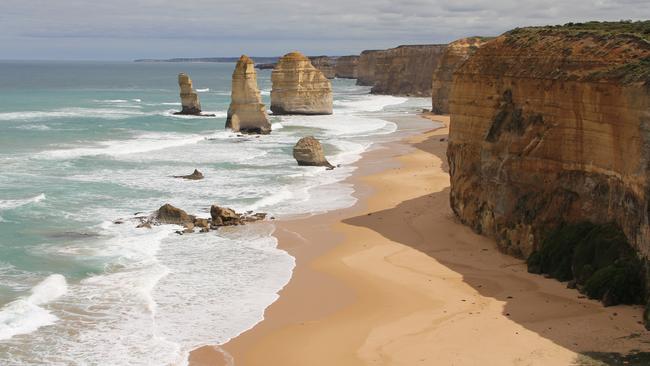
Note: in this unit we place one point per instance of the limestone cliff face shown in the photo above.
(548, 126)
(299, 88)
(346, 67)
(454, 55)
(246, 112)
(325, 64)
(189, 99)
(366, 69)
(404, 70)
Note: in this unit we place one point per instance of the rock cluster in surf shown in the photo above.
(299, 88)
(247, 113)
(219, 217)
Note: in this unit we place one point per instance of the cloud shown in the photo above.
(166, 28)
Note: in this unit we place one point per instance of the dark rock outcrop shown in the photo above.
(168, 214)
(196, 175)
(309, 152)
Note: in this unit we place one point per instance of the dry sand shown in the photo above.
(395, 280)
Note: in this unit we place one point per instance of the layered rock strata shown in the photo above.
(247, 113)
(454, 55)
(299, 88)
(550, 126)
(189, 99)
(346, 67)
(404, 70)
(309, 152)
(325, 64)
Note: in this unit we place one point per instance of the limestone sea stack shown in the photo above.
(299, 87)
(454, 55)
(309, 152)
(246, 113)
(550, 132)
(189, 99)
(325, 64)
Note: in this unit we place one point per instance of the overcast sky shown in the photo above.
(128, 29)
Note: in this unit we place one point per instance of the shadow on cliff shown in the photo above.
(491, 273)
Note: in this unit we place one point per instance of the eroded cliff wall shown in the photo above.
(346, 67)
(549, 126)
(454, 55)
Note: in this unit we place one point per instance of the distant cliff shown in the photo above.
(259, 59)
(550, 127)
(346, 67)
(404, 70)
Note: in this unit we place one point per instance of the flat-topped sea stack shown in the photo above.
(189, 99)
(299, 87)
(346, 67)
(454, 55)
(550, 128)
(246, 113)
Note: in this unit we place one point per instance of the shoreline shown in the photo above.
(383, 281)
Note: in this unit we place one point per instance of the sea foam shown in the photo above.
(25, 315)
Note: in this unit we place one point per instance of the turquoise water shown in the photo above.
(85, 143)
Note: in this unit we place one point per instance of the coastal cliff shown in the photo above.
(404, 70)
(550, 128)
(299, 87)
(454, 55)
(325, 64)
(346, 67)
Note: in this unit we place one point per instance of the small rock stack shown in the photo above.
(247, 113)
(189, 99)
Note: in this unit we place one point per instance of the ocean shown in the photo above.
(83, 144)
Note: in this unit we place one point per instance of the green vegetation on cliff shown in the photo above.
(619, 51)
(638, 29)
(597, 258)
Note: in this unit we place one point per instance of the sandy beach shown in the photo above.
(396, 280)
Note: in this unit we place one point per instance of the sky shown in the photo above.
(131, 29)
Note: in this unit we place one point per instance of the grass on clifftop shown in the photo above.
(639, 29)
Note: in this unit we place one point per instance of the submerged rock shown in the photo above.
(197, 175)
(299, 87)
(309, 152)
(246, 113)
(189, 99)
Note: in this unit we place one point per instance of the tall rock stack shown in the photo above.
(299, 88)
(246, 113)
(189, 99)
(454, 55)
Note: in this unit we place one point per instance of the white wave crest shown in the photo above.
(103, 113)
(24, 315)
(204, 90)
(11, 204)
